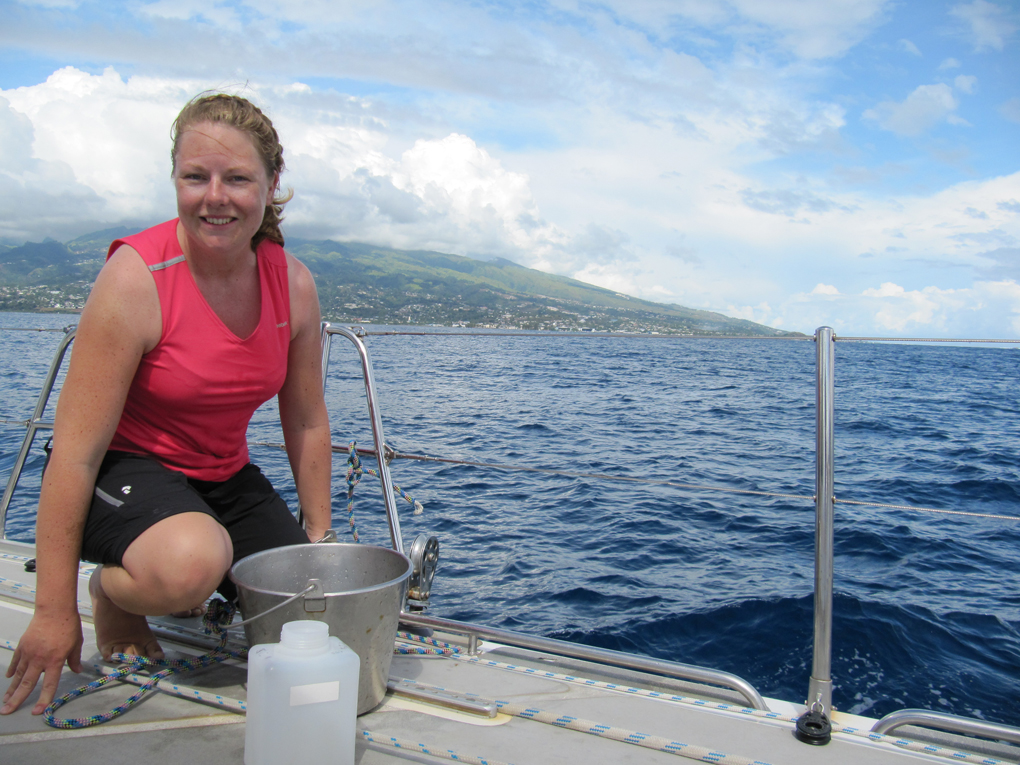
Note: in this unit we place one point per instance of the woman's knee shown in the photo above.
(185, 556)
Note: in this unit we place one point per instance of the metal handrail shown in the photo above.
(820, 686)
(35, 424)
(328, 330)
(946, 722)
(672, 669)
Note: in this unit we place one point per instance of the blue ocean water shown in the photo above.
(927, 606)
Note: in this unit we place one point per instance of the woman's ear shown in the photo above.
(274, 186)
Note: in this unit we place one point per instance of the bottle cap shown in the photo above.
(305, 635)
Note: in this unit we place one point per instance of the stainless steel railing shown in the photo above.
(35, 424)
(673, 669)
(820, 686)
(328, 330)
(946, 722)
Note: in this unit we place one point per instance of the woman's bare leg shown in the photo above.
(172, 566)
(118, 631)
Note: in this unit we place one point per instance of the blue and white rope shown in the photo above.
(432, 647)
(14, 586)
(446, 649)
(614, 733)
(837, 727)
(181, 691)
(411, 746)
(354, 473)
(216, 618)
(12, 556)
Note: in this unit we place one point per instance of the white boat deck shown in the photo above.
(172, 730)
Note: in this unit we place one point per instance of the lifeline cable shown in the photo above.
(648, 482)
(674, 484)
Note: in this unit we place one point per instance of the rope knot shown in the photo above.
(218, 616)
(354, 473)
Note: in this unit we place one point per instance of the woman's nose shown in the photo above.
(216, 192)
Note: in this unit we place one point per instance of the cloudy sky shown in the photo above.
(851, 163)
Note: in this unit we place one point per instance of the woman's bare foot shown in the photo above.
(118, 631)
(196, 611)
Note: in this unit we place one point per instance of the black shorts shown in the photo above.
(134, 492)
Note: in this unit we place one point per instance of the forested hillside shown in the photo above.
(363, 283)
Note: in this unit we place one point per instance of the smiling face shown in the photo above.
(222, 188)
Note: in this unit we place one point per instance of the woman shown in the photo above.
(190, 326)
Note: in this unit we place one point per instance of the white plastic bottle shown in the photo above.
(302, 698)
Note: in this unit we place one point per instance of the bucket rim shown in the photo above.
(331, 545)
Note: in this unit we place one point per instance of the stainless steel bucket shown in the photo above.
(363, 588)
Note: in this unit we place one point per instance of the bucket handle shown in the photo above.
(314, 596)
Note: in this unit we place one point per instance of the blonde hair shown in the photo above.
(240, 113)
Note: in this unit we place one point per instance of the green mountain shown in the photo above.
(363, 283)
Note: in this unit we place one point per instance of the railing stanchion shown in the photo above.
(820, 687)
(371, 395)
(326, 342)
(34, 425)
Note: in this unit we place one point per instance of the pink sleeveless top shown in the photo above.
(194, 393)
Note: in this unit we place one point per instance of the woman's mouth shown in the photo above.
(217, 221)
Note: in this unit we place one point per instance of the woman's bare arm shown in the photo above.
(120, 322)
(302, 407)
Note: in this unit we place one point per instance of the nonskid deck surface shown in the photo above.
(174, 730)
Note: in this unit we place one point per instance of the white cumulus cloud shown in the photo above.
(989, 24)
(92, 150)
(111, 136)
(965, 83)
(909, 47)
(923, 109)
(816, 30)
(987, 309)
(1011, 110)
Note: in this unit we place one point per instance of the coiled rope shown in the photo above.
(215, 621)
(354, 473)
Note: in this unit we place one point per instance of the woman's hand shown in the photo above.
(315, 533)
(49, 641)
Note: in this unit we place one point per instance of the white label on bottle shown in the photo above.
(315, 693)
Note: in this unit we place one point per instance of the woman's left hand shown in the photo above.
(315, 534)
